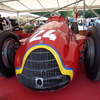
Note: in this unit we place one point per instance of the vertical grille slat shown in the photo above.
(41, 72)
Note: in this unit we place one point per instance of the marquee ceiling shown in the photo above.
(45, 5)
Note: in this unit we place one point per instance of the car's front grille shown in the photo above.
(41, 72)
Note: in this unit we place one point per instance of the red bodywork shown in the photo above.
(21, 34)
(56, 34)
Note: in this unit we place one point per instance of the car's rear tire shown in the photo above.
(74, 27)
(9, 43)
(92, 53)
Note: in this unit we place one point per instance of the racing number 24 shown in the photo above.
(48, 34)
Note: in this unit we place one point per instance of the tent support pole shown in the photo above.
(18, 17)
(84, 15)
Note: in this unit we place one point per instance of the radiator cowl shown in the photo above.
(41, 72)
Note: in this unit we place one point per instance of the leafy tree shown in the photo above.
(66, 13)
(63, 13)
(88, 13)
(97, 11)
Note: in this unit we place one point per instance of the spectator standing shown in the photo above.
(9, 26)
(1, 20)
(75, 13)
(4, 23)
(67, 20)
(71, 19)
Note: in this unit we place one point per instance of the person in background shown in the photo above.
(9, 26)
(71, 19)
(67, 20)
(75, 14)
(4, 23)
(1, 20)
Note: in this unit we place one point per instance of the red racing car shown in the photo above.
(49, 59)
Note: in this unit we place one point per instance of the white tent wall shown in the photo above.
(5, 8)
(22, 6)
(46, 5)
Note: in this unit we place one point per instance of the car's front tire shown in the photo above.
(9, 43)
(92, 53)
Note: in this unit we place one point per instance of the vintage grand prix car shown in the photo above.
(49, 59)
